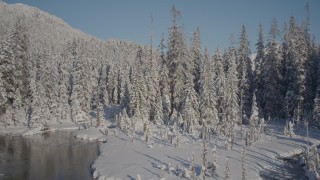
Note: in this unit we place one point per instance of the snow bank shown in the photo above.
(32, 131)
(122, 159)
(92, 134)
(65, 126)
(13, 130)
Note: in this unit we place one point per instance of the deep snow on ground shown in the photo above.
(122, 159)
(289, 168)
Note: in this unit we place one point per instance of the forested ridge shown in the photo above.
(52, 73)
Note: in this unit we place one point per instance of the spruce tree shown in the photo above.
(196, 57)
(164, 81)
(254, 112)
(244, 74)
(227, 170)
(273, 99)
(141, 87)
(80, 100)
(302, 49)
(63, 102)
(177, 59)
(243, 165)
(259, 69)
(296, 75)
(189, 105)
(220, 80)
(316, 110)
(208, 110)
(7, 70)
(290, 78)
(232, 108)
(214, 165)
(311, 79)
(18, 115)
(21, 47)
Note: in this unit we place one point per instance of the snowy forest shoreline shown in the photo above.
(52, 74)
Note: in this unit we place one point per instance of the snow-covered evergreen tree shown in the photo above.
(63, 102)
(196, 57)
(254, 119)
(164, 81)
(177, 59)
(316, 157)
(159, 117)
(22, 63)
(219, 84)
(232, 109)
(122, 120)
(243, 165)
(100, 114)
(154, 98)
(14, 73)
(208, 109)
(244, 74)
(192, 169)
(311, 74)
(2, 96)
(204, 163)
(48, 78)
(139, 93)
(80, 97)
(213, 167)
(296, 75)
(259, 69)
(189, 105)
(302, 49)
(316, 110)
(273, 99)
(7, 80)
(18, 115)
(312, 64)
(40, 109)
(290, 55)
(227, 170)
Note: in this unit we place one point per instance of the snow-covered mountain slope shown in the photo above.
(12, 10)
(49, 51)
(41, 26)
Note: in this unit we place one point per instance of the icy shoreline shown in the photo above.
(25, 131)
(92, 134)
(89, 134)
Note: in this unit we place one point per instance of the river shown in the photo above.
(56, 155)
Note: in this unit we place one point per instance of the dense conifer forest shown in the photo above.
(52, 73)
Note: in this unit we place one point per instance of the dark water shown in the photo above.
(54, 155)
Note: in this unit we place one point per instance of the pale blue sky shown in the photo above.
(217, 19)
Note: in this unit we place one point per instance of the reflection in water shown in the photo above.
(48, 156)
